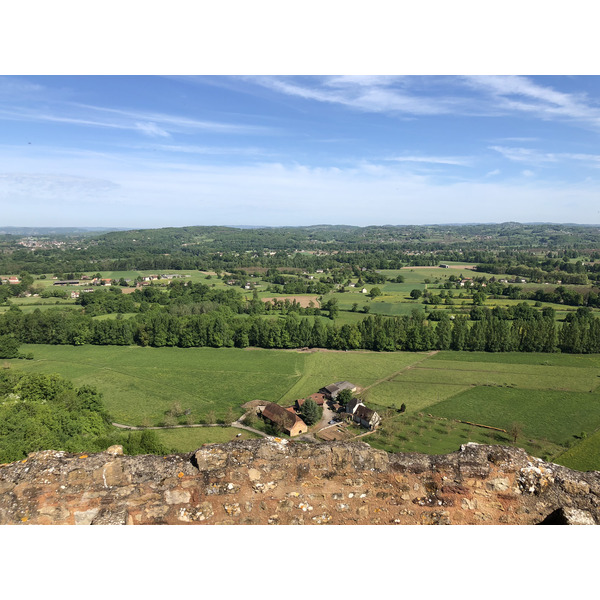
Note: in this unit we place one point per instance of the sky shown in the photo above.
(158, 151)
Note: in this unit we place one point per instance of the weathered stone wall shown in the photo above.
(274, 481)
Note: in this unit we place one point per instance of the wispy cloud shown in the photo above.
(536, 157)
(521, 94)
(12, 88)
(428, 96)
(149, 124)
(461, 161)
(274, 193)
(181, 124)
(51, 187)
(213, 150)
(366, 93)
(525, 155)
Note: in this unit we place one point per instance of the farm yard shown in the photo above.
(548, 404)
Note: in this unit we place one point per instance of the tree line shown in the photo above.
(222, 327)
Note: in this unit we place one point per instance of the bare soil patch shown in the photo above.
(303, 301)
(332, 434)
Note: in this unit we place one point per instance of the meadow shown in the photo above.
(553, 399)
(394, 301)
(189, 439)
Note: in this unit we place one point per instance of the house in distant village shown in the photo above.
(67, 282)
(289, 422)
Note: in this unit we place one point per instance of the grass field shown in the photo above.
(543, 414)
(548, 395)
(583, 456)
(190, 439)
(141, 384)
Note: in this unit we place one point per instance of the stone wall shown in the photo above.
(274, 481)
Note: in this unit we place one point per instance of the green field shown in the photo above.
(554, 398)
(141, 384)
(549, 415)
(584, 455)
(190, 439)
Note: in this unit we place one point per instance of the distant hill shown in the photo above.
(57, 230)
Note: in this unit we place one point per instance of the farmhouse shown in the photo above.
(366, 417)
(353, 405)
(289, 422)
(331, 391)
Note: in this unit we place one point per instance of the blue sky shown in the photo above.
(149, 151)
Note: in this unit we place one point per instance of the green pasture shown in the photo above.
(141, 384)
(361, 368)
(552, 415)
(584, 456)
(393, 309)
(417, 396)
(188, 439)
(434, 435)
(30, 307)
(521, 358)
(515, 376)
(547, 394)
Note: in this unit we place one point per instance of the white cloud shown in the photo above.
(462, 161)
(177, 123)
(371, 94)
(540, 101)
(151, 124)
(213, 150)
(53, 187)
(152, 129)
(527, 173)
(535, 157)
(157, 193)
(525, 155)
(427, 96)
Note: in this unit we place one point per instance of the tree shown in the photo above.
(310, 412)
(375, 292)
(333, 308)
(515, 431)
(344, 397)
(9, 346)
(416, 294)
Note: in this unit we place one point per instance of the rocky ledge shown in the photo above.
(275, 481)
